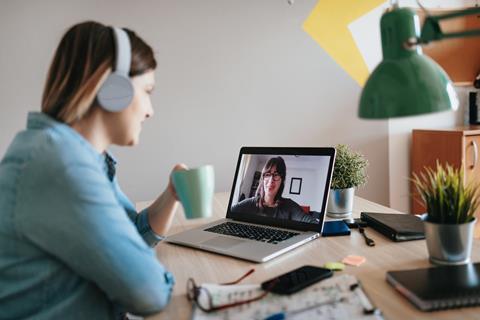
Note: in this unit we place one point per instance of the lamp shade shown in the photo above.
(406, 82)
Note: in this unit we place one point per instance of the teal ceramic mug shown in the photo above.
(195, 188)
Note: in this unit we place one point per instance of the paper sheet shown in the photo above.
(349, 304)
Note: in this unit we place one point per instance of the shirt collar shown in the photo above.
(40, 120)
(110, 165)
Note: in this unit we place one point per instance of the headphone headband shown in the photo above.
(123, 51)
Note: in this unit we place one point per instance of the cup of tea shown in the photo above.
(195, 188)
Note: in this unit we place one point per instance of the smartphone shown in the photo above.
(297, 279)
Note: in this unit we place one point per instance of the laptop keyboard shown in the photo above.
(252, 232)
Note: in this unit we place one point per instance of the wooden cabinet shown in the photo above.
(456, 146)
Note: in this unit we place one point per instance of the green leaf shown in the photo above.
(444, 194)
(350, 168)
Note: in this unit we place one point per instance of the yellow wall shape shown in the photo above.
(328, 26)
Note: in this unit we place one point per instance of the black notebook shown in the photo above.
(396, 226)
(439, 288)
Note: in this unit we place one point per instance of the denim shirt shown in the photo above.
(71, 243)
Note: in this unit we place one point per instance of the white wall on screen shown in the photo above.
(312, 170)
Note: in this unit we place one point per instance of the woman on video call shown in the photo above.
(72, 246)
(268, 200)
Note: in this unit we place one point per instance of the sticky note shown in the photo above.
(354, 260)
(335, 266)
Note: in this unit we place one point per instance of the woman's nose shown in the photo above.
(150, 112)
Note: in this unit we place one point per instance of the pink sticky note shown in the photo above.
(354, 260)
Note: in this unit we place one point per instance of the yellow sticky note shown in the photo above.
(335, 266)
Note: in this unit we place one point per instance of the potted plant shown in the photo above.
(348, 173)
(449, 221)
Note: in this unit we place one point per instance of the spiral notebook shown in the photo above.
(439, 288)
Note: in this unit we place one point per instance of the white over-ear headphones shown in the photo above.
(116, 92)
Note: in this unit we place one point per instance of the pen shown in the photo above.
(285, 314)
(368, 308)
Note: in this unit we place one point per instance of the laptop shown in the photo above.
(277, 203)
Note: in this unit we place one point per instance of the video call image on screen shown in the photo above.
(281, 187)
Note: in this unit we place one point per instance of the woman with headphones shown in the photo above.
(71, 243)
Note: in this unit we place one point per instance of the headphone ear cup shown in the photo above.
(116, 93)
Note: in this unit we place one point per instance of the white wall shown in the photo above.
(230, 73)
(311, 189)
(313, 172)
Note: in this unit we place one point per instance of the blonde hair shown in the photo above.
(83, 60)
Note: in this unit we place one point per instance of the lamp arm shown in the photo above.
(431, 30)
(470, 33)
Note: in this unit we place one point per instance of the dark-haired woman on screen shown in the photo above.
(268, 201)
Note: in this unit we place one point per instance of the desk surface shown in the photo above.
(203, 266)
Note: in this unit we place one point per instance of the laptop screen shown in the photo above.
(289, 187)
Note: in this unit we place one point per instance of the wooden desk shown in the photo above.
(203, 266)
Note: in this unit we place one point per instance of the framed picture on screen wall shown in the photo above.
(295, 185)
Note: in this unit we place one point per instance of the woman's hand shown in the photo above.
(161, 211)
(171, 187)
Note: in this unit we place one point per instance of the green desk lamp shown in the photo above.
(407, 82)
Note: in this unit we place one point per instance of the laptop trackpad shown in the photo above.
(221, 242)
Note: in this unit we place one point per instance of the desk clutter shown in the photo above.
(340, 297)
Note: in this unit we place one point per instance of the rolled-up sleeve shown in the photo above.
(145, 230)
(140, 219)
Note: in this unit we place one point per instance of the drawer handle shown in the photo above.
(475, 154)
